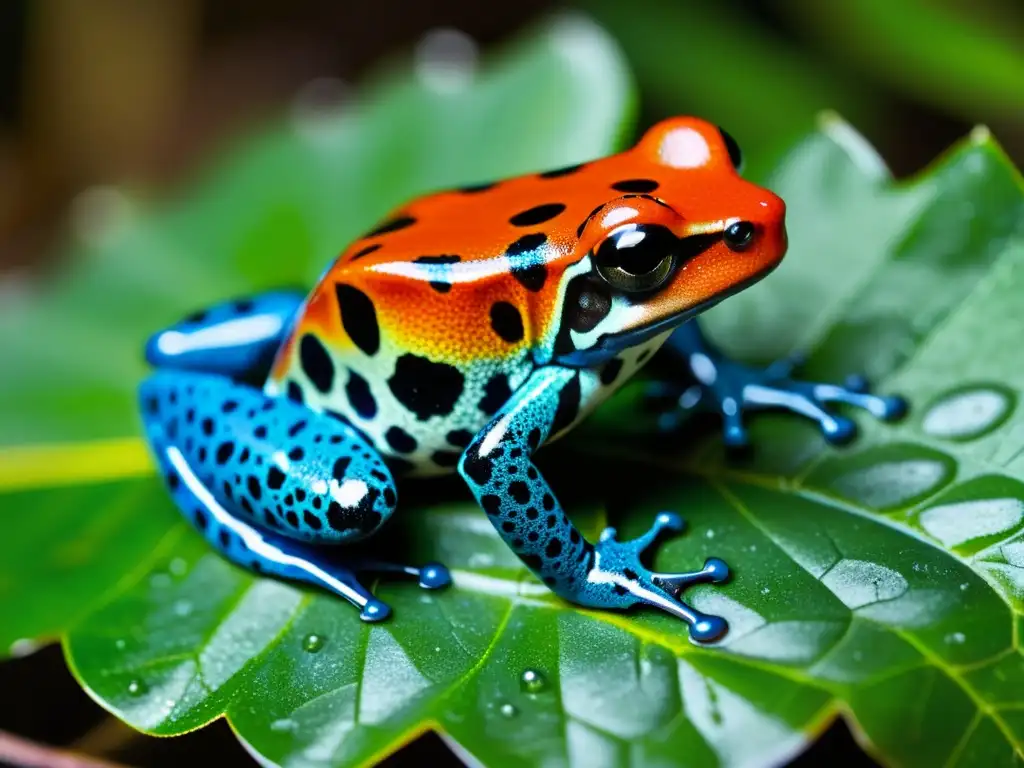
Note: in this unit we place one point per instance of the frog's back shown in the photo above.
(424, 327)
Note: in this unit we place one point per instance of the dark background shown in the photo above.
(143, 92)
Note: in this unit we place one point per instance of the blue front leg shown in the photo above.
(519, 503)
(731, 388)
(265, 480)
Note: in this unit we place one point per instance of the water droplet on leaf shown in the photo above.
(313, 643)
(968, 414)
(136, 688)
(533, 681)
(508, 710)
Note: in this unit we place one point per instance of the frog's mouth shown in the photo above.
(610, 344)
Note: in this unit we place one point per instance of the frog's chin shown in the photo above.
(611, 344)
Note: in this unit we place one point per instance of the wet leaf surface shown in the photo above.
(884, 581)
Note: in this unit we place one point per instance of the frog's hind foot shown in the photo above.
(268, 553)
(617, 565)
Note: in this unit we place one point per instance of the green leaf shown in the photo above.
(695, 58)
(957, 59)
(883, 582)
(280, 206)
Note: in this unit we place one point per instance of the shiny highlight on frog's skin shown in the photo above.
(467, 330)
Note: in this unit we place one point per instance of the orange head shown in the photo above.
(649, 259)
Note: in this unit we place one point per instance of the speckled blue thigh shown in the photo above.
(519, 503)
(730, 388)
(266, 480)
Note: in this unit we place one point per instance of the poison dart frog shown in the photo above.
(469, 329)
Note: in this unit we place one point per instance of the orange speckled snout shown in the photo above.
(729, 264)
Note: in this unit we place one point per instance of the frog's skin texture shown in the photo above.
(467, 330)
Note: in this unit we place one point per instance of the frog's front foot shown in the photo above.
(618, 579)
(731, 388)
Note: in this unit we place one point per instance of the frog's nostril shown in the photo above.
(739, 235)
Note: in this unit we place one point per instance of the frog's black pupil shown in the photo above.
(738, 236)
(637, 250)
(735, 155)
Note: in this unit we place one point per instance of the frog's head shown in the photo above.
(685, 232)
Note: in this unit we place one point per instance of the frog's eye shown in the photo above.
(637, 257)
(735, 155)
(738, 235)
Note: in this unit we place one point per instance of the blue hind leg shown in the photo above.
(266, 480)
(731, 389)
(236, 338)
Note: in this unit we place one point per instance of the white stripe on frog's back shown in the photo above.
(408, 406)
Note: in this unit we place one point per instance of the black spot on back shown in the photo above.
(316, 363)
(568, 405)
(507, 322)
(244, 306)
(400, 440)
(393, 225)
(441, 286)
(424, 387)
(526, 244)
(536, 215)
(531, 277)
(359, 318)
(496, 393)
(635, 185)
(561, 171)
(365, 251)
(474, 188)
(357, 390)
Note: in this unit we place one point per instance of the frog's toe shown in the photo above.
(617, 567)
(434, 576)
(374, 610)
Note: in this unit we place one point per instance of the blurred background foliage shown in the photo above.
(145, 94)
